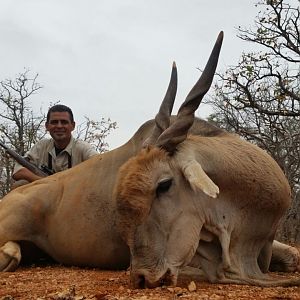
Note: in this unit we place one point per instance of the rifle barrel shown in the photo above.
(22, 161)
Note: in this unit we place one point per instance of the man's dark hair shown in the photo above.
(60, 108)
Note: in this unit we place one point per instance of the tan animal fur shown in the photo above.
(213, 202)
(72, 215)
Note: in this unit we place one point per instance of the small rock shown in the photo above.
(178, 290)
(7, 297)
(192, 286)
(113, 279)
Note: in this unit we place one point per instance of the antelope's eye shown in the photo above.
(163, 186)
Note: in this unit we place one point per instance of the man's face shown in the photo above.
(60, 126)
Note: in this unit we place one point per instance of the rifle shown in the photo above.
(43, 172)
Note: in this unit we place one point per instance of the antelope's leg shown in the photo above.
(10, 256)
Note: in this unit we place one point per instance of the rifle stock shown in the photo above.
(25, 163)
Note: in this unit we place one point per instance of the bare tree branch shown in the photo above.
(259, 98)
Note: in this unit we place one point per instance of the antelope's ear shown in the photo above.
(198, 179)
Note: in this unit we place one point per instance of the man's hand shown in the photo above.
(25, 174)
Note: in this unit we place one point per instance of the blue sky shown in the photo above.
(112, 58)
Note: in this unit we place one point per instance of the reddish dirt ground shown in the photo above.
(69, 283)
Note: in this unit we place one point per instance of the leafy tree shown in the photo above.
(21, 127)
(259, 98)
(95, 132)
